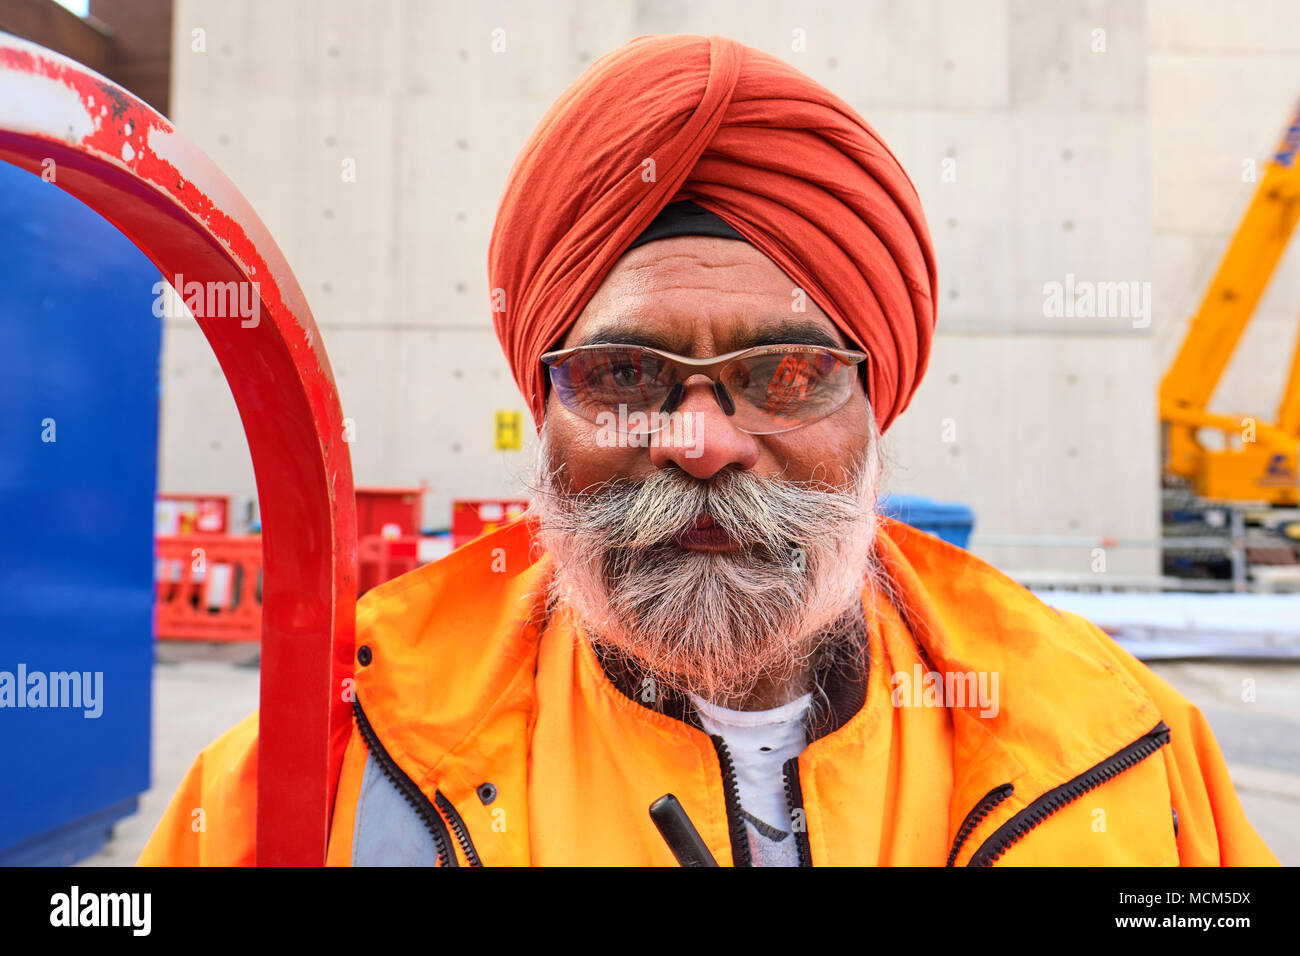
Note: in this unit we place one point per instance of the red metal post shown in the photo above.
(125, 161)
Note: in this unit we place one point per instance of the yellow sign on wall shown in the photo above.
(509, 431)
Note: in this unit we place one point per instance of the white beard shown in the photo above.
(714, 624)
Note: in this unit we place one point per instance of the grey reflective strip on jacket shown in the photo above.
(387, 830)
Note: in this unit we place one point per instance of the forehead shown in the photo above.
(700, 295)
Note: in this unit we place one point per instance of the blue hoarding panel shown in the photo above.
(79, 349)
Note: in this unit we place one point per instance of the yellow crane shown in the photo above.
(1255, 461)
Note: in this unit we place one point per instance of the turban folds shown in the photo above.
(746, 136)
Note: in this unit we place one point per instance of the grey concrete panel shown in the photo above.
(1078, 56)
(1211, 27)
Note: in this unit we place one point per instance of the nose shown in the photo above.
(700, 439)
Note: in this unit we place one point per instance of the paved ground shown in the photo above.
(199, 691)
(1254, 708)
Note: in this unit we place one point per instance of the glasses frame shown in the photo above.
(712, 369)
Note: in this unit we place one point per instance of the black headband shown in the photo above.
(685, 219)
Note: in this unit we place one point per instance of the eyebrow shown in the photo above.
(790, 332)
(626, 335)
(780, 332)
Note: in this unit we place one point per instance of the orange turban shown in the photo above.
(751, 139)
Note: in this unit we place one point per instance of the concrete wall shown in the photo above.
(1044, 424)
(1046, 140)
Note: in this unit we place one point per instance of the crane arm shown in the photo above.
(1241, 278)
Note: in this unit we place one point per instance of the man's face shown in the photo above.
(718, 559)
(699, 296)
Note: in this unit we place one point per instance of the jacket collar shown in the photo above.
(842, 680)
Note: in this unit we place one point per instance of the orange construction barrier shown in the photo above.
(209, 588)
(381, 559)
(190, 514)
(388, 533)
(471, 518)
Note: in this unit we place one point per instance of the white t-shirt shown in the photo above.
(760, 742)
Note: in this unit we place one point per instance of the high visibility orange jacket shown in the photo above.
(488, 735)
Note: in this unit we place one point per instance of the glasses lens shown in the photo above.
(611, 379)
(777, 391)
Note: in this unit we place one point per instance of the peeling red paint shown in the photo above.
(96, 92)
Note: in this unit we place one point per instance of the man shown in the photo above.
(715, 287)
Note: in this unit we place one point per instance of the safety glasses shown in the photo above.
(765, 390)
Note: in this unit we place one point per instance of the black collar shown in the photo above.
(841, 675)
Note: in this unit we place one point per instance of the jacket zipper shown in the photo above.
(731, 792)
(426, 810)
(1042, 808)
(458, 827)
(982, 809)
(794, 798)
(736, 823)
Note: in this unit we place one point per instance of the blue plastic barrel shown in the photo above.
(949, 520)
